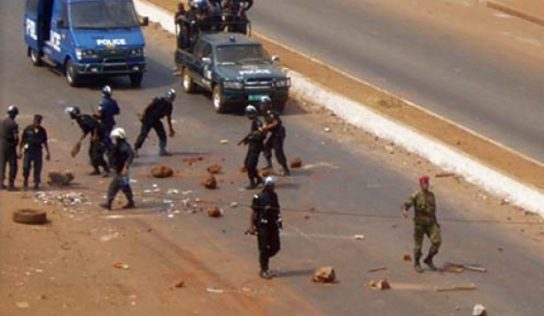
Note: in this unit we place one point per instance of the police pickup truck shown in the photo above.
(86, 38)
(235, 69)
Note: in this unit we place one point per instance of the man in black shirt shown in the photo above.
(275, 140)
(254, 140)
(151, 119)
(121, 159)
(33, 140)
(265, 221)
(92, 126)
(9, 139)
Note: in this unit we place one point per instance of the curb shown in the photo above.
(514, 12)
(364, 118)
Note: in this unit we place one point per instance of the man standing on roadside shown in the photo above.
(9, 139)
(33, 141)
(425, 223)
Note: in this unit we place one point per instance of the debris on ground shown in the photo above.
(407, 257)
(266, 172)
(457, 288)
(444, 175)
(381, 285)
(470, 267)
(359, 237)
(161, 171)
(179, 284)
(33, 217)
(377, 269)
(209, 182)
(214, 169)
(452, 268)
(324, 275)
(121, 265)
(70, 201)
(22, 305)
(59, 179)
(172, 191)
(214, 290)
(234, 204)
(327, 129)
(224, 141)
(192, 160)
(215, 212)
(296, 163)
(479, 310)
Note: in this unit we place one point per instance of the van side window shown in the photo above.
(207, 51)
(64, 14)
(32, 6)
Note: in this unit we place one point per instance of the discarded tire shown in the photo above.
(33, 217)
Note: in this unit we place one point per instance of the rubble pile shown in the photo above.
(69, 201)
(162, 172)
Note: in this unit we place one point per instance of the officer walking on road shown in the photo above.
(151, 119)
(276, 138)
(425, 223)
(33, 141)
(121, 159)
(92, 126)
(254, 142)
(266, 222)
(107, 110)
(9, 139)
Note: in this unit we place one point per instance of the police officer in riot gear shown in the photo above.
(91, 126)
(236, 15)
(254, 142)
(265, 221)
(33, 141)
(275, 140)
(121, 159)
(151, 119)
(107, 110)
(9, 139)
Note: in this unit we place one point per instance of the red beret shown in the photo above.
(424, 179)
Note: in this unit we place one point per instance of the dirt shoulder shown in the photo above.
(383, 102)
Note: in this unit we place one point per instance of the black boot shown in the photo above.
(429, 262)
(106, 205)
(417, 265)
(129, 205)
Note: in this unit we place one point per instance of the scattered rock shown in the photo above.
(22, 305)
(381, 285)
(192, 160)
(479, 310)
(324, 275)
(59, 179)
(234, 204)
(209, 182)
(214, 169)
(179, 284)
(215, 212)
(214, 290)
(407, 257)
(224, 141)
(377, 269)
(296, 163)
(121, 265)
(359, 237)
(162, 172)
(327, 129)
(306, 217)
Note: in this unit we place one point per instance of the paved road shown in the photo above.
(477, 88)
(361, 182)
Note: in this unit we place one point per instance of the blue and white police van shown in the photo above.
(86, 38)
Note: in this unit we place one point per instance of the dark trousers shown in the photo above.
(268, 238)
(122, 183)
(107, 141)
(8, 156)
(146, 127)
(251, 163)
(32, 159)
(96, 153)
(275, 143)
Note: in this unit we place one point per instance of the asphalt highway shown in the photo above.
(354, 187)
(466, 81)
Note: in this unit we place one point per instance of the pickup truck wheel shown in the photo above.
(187, 81)
(72, 76)
(136, 79)
(35, 57)
(218, 99)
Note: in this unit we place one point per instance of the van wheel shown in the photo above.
(72, 76)
(187, 81)
(136, 79)
(35, 58)
(218, 99)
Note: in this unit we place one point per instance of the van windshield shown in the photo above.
(99, 14)
(241, 54)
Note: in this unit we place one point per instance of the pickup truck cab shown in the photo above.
(235, 69)
(86, 38)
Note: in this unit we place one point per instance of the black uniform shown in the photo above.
(8, 149)
(33, 139)
(268, 223)
(236, 17)
(97, 148)
(108, 109)
(275, 141)
(121, 157)
(151, 119)
(254, 148)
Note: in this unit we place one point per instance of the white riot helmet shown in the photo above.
(106, 91)
(118, 133)
(250, 111)
(270, 181)
(170, 95)
(13, 110)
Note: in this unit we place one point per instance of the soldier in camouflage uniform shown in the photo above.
(425, 223)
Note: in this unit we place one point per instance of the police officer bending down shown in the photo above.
(121, 159)
(151, 119)
(33, 141)
(266, 221)
(9, 139)
(92, 126)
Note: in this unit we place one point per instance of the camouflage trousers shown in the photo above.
(432, 230)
